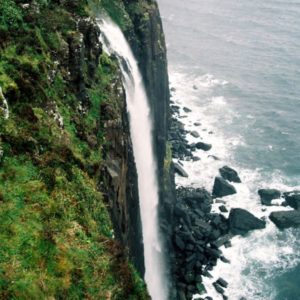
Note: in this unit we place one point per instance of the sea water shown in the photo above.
(236, 64)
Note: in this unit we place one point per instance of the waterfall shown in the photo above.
(3, 105)
(141, 134)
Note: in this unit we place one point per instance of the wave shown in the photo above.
(259, 257)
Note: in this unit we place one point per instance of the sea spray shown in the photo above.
(141, 134)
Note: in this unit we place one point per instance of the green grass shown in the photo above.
(56, 237)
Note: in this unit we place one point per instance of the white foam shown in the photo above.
(4, 105)
(262, 253)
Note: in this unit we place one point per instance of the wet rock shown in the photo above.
(241, 221)
(223, 283)
(223, 240)
(229, 174)
(213, 157)
(222, 188)
(179, 243)
(223, 209)
(203, 146)
(286, 219)
(186, 109)
(197, 124)
(196, 158)
(292, 199)
(267, 195)
(218, 288)
(180, 171)
(225, 260)
(195, 134)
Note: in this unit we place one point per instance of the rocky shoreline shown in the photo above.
(198, 233)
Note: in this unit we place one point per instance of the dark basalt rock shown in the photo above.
(286, 219)
(241, 221)
(203, 146)
(229, 174)
(222, 188)
(267, 195)
(179, 170)
(218, 288)
(195, 134)
(223, 283)
(187, 110)
(223, 209)
(292, 199)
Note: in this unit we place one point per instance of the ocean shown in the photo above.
(236, 64)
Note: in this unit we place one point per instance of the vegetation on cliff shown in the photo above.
(56, 237)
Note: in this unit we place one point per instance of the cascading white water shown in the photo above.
(3, 105)
(141, 134)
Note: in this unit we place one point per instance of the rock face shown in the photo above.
(222, 188)
(292, 199)
(286, 219)
(267, 195)
(241, 221)
(229, 174)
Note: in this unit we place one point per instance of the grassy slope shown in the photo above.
(55, 232)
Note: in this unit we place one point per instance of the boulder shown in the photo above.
(187, 110)
(195, 134)
(229, 174)
(292, 199)
(223, 283)
(223, 209)
(286, 219)
(179, 170)
(267, 195)
(203, 146)
(241, 221)
(222, 188)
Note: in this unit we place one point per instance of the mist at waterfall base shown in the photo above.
(141, 135)
(236, 64)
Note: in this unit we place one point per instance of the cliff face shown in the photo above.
(141, 24)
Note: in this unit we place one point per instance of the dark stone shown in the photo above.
(292, 199)
(179, 170)
(223, 240)
(229, 174)
(203, 146)
(187, 110)
(223, 209)
(218, 288)
(225, 260)
(222, 188)
(197, 124)
(223, 283)
(241, 221)
(195, 134)
(196, 158)
(267, 195)
(179, 243)
(286, 219)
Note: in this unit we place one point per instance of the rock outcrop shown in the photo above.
(241, 221)
(229, 174)
(222, 188)
(286, 219)
(267, 195)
